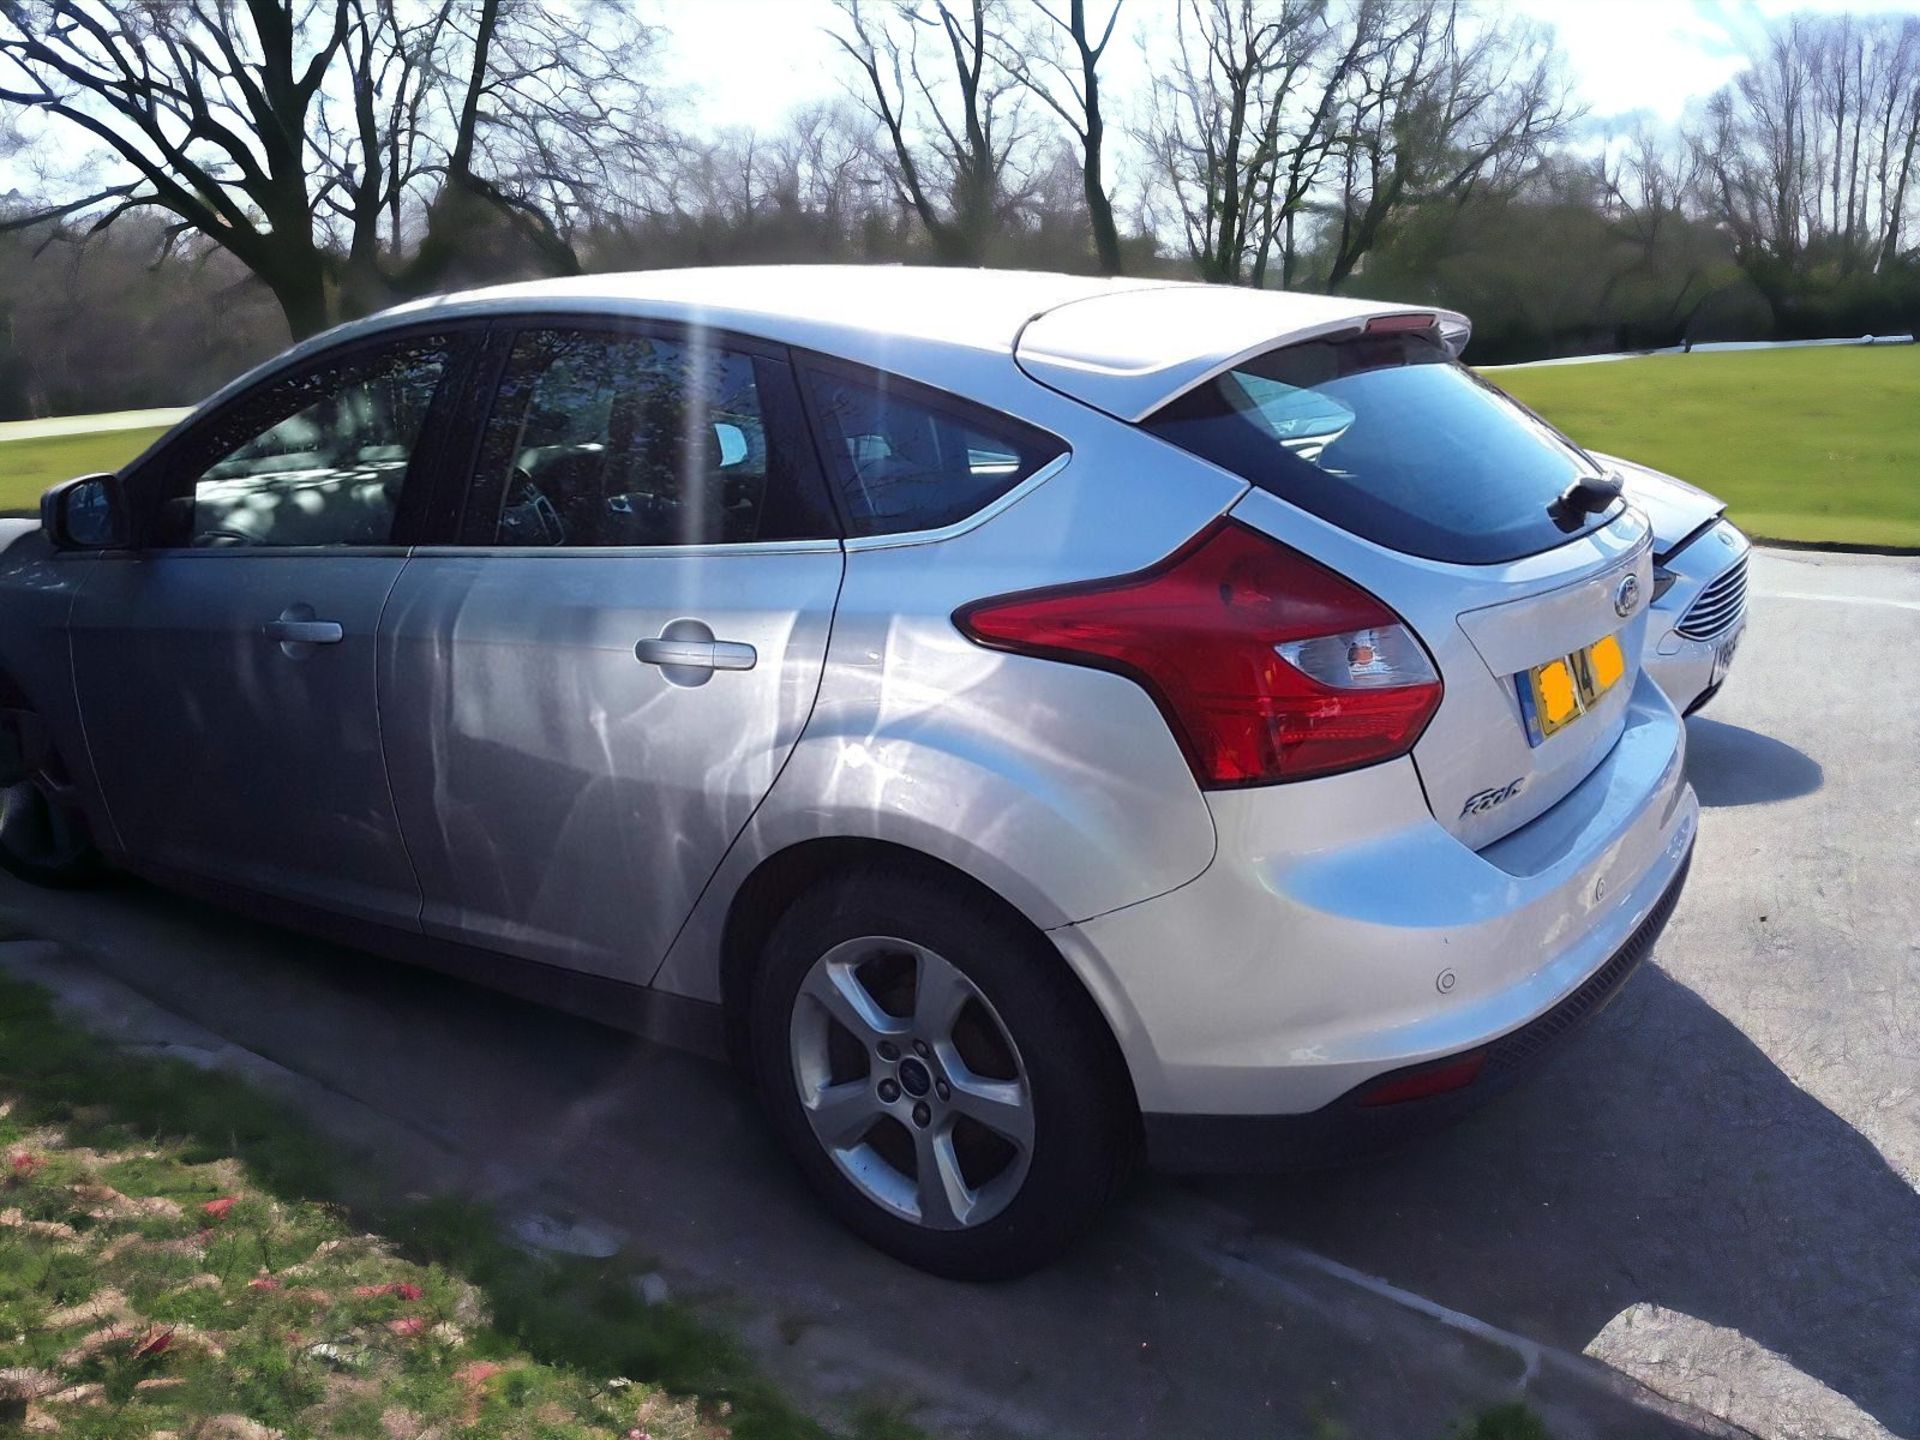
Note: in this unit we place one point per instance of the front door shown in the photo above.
(226, 668)
(584, 701)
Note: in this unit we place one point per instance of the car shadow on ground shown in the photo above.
(1662, 1159)
(660, 1160)
(1729, 765)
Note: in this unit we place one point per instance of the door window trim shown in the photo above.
(1002, 502)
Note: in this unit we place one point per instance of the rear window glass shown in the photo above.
(1386, 437)
(908, 458)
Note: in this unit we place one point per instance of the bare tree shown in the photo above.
(1899, 135)
(368, 136)
(206, 112)
(952, 120)
(1300, 166)
(1643, 191)
(1449, 105)
(1895, 129)
(289, 132)
(1212, 134)
(1807, 157)
(1068, 83)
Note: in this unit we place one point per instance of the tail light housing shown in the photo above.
(1267, 666)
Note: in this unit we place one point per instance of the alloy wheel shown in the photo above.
(911, 1082)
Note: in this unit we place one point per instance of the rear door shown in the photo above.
(589, 690)
(225, 668)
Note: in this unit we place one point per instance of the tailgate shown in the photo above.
(1485, 770)
(1486, 765)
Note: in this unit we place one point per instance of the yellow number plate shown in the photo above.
(1556, 694)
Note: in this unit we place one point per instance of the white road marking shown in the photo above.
(1839, 599)
(1219, 1238)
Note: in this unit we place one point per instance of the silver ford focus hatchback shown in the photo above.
(1027, 721)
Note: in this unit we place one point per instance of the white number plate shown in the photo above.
(1723, 654)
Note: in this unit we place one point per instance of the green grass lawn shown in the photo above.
(29, 466)
(181, 1256)
(1816, 444)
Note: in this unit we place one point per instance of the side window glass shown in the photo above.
(907, 458)
(601, 439)
(318, 459)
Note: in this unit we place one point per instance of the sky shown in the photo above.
(747, 62)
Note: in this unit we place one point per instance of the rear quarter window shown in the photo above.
(1389, 439)
(905, 457)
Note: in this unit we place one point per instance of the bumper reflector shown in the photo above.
(1436, 1079)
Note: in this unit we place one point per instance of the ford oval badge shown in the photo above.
(1627, 596)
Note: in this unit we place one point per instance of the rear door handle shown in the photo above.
(697, 654)
(305, 632)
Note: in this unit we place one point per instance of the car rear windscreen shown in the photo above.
(1389, 439)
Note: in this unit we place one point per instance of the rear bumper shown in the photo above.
(1342, 934)
(1351, 1129)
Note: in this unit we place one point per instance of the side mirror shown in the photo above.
(89, 513)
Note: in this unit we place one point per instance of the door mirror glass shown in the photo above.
(85, 514)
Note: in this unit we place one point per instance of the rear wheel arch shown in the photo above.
(783, 877)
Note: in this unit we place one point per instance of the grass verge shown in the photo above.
(1815, 445)
(28, 467)
(180, 1255)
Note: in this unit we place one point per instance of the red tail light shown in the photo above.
(1266, 665)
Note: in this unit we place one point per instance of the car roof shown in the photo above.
(803, 304)
(1122, 345)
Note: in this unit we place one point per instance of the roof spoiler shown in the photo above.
(1131, 352)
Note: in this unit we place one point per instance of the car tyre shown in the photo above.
(44, 838)
(941, 1078)
(45, 841)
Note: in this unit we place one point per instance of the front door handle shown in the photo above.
(305, 632)
(697, 654)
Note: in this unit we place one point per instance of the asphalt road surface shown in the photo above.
(1713, 1192)
(1717, 1190)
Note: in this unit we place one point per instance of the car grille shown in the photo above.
(1719, 607)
